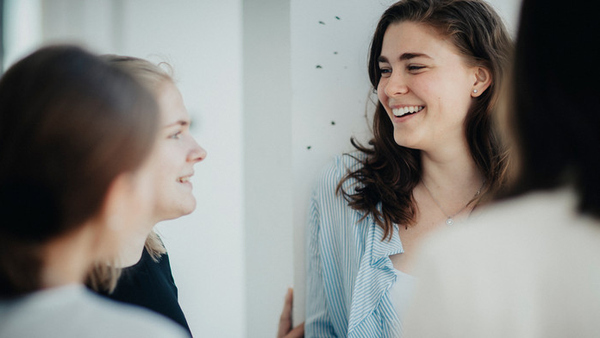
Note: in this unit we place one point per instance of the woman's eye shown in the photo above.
(385, 72)
(176, 135)
(413, 68)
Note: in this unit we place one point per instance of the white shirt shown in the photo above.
(74, 311)
(528, 267)
(401, 292)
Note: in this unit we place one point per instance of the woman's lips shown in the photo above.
(401, 111)
(185, 179)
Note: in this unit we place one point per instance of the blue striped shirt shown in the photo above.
(349, 271)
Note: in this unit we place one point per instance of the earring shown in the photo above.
(474, 90)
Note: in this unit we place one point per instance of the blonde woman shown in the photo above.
(144, 273)
(143, 267)
(75, 136)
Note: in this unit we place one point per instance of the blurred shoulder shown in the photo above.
(132, 321)
(508, 226)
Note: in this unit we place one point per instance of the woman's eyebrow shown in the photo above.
(182, 123)
(405, 56)
(408, 56)
(382, 59)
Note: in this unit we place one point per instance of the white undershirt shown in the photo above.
(402, 292)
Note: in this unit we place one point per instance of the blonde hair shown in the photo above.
(105, 275)
(148, 74)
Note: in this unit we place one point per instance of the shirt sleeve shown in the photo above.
(320, 315)
(318, 322)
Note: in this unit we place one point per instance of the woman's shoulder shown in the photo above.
(73, 311)
(331, 197)
(339, 167)
(349, 161)
(329, 209)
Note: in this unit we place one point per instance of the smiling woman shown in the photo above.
(415, 57)
(176, 156)
(143, 267)
(144, 271)
(436, 66)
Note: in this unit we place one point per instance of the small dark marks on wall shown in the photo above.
(333, 123)
(321, 22)
(308, 148)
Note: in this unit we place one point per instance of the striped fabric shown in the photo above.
(349, 270)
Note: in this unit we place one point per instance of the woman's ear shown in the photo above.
(483, 79)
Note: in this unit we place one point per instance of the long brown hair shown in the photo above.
(69, 125)
(390, 172)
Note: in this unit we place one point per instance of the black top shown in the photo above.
(150, 284)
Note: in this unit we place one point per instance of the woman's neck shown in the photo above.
(451, 174)
(132, 249)
(68, 258)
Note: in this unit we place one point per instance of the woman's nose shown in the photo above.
(396, 85)
(197, 153)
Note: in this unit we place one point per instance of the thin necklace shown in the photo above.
(449, 218)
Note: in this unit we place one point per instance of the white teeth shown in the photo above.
(184, 179)
(406, 110)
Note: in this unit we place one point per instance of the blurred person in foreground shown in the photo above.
(529, 266)
(75, 135)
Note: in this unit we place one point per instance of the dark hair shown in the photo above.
(390, 172)
(69, 125)
(555, 111)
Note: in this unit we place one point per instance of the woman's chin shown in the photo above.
(186, 207)
(404, 142)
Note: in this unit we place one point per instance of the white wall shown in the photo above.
(25, 21)
(337, 92)
(268, 162)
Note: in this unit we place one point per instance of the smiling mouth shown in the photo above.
(399, 112)
(183, 179)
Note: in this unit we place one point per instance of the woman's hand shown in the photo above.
(285, 321)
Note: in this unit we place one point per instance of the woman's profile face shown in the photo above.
(425, 87)
(174, 158)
